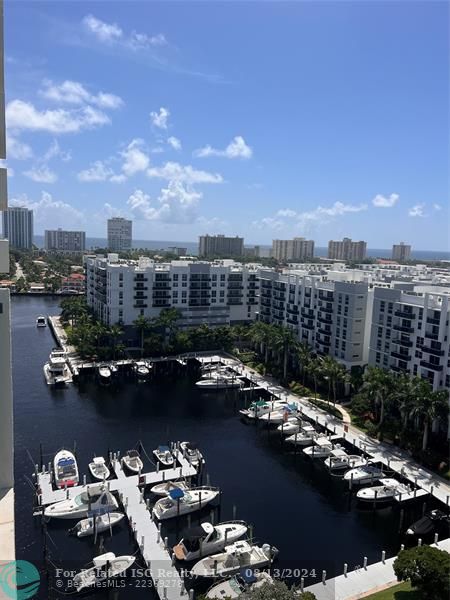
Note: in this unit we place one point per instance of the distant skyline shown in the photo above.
(266, 120)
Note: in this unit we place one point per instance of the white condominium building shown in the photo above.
(332, 317)
(401, 252)
(120, 234)
(60, 240)
(411, 332)
(347, 250)
(215, 293)
(297, 249)
(220, 245)
(18, 227)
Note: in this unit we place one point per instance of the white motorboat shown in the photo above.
(114, 369)
(141, 369)
(56, 370)
(365, 474)
(96, 524)
(291, 426)
(106, 566)
(322, 448)
(339, 460)
(164, 455)
(65, 469)
(219, 382)
(237, 556)
(260, 407)
(163, 489)
(207, 539)
(179, 502)
(280, 415)
(133, 461)
(233, 587)
(104, 373)
(192, 453)
(384, 492)
(98, 468)
(41, 321)
(207, 368)
(93, 498)
(307, 435)
(219, 370)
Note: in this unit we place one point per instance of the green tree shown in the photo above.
(115, 333)
(167, 320)
(142, 324)
(304, 356)
(277, 590)
(314, 370)
(284, 342)
(379, 387)
(428, 406)
(262, 335)
(427, 568)
(333, 373)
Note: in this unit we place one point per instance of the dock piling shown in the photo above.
(365, 563)
(324, 576)
(383, 556)
(345, 569)
(436, 538)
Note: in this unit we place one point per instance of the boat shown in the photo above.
(114, 369)
(41, 321)
(383, 493)
(98, 468)
(259, 408)
(192, 453)
(56, 370)
(365, 474)
(179, 502)
(291, 426)
(96, 524)
(219, 382)
(133, 461)
(307, 435)
(234, 586)
(237, 556)
(93, 498)
(164, 455)
(162, 489)
(65, 469)
(322, 448)
(104, 373)
(207, 539)
(339, 460)
(211, 367)
(105, 567)
(280, 415)
(141, 369)
(432, 522)
(219, 370)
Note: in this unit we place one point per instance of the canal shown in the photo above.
(291, 502)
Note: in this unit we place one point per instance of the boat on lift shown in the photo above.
(366, 474)
(261, 407)
(163, 489)
(105, 567)
(96, 524)
(142, 369)
(93, 498)
(65, 469)
(280, 415)
(98, 468)
(306, 436)
(435, 521)
(234, 586)
(219, 382)
(237, 556)
(340, 460)
(41, 321)
(208, 539)
(179, 502)
(104, 373)
(164, 455)
(385, 492)
(133, 461)
(192, 453)
(322, 448)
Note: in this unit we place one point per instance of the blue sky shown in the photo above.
(264, 119)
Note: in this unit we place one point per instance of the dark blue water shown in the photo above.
(292, 503)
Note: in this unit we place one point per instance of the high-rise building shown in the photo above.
(119, 234)
(297, 249)
(18, 227)
(401, 252)
(220, 246)
(60, 240)
(347, 250)
(7, 548)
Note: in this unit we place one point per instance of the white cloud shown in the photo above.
(437, 207)
(237, 148)
(17, 149)
(177, 203)
(41, 174)
(135, 159)
(98, 171)
(22, 115)
(159, 119)
(381, 201)
(118, 178)
(51, 213)
(55, 151)
(269, 223)
(286, 212)
(104, 32)
(73, 92)
(417, 210)
(173, 171)
(174, 142)
(140, 41)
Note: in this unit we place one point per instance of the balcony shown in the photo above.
(307, 312)
(139, 297)
(326, 310)
(434, 351)
(324, 320)
(431, 366)
(139, 288)
(404, 314)
(433, 321)
(292, 320)
(323, 331)
(401, 356)
(401, 342)
(307, 326)
(142, 305)
(398, 369)
(431, 336)
(403, 328)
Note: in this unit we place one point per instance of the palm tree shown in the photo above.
(314, 369)
(261, 334)
(428, 407)
(333, 373)
(142, 324)
(167, 320)
(379, 386)
(284, 342)
(303, 352)
(115, 333)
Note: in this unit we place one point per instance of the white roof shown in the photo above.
(322, 441)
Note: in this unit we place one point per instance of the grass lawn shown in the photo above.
(402, 591)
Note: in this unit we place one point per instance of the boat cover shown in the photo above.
(176, 494)
(163, 449)
(247, 576)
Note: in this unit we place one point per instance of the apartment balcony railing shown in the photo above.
(434, 351)
(431, 336)
(431, 366)
(433, 321)
(142, 305)
(324, 320)
(401, 342)
(324, 331)
(398, 368)
(404, 328)
(404, 314)
(400, 356)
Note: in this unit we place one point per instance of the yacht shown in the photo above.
(339, 460)
(65, 469)
(164, 455)
(163, 489)
(280, 415)
(179, 502)
(56, 370)
(133, 461)
(104, 373)
(365, 474)
(105, 567)
(260, 407)
(291, 426)
(384, 492)
(307, 435)
(322, 448)
(141, 369)
(237, 556)
(219, 370)
(98, 468)
(41, 321)
(234, 586)
(102, 523)
(192, 453)
(92, 498)
(219, 382)
(208, 539)
(432, 522)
